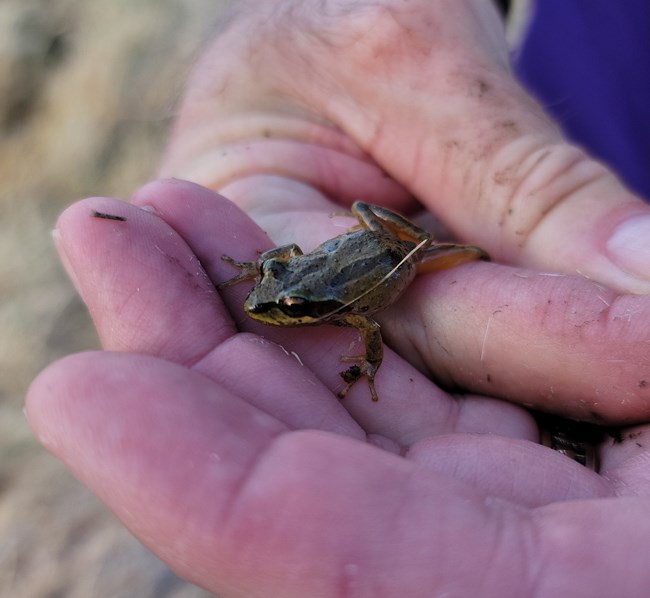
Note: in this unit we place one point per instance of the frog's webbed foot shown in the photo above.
(356, 372)
(368, 363)
(247, 271)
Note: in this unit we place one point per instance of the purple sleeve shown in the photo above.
(588, 62)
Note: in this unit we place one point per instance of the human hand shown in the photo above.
(388, 100)
(321, 505)
(232, 459)
(296, 109)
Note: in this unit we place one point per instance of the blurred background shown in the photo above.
(88, 90)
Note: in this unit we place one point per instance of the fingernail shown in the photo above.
(629, 246)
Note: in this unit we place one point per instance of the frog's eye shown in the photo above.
(294, 306)
(273, 268)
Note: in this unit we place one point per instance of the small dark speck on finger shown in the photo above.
(105, 216)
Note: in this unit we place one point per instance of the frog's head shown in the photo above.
(290, 309)
(291, 293)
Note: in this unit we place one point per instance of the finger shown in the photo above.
(233, 502)
(481, 154)
(555, 343)
(512, 469)
(148, 293)
(624, 460)
(144, 288)
(412, 407)
(465, 139)
(277, 382)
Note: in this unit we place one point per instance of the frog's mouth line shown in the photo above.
(294, 310)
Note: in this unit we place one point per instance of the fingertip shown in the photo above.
(100, 207)
(588, 224)
(86, 236)
(50, 395)
(85, 225)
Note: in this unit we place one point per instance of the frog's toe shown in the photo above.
(355, 373)
(247, 271)
(352, 374)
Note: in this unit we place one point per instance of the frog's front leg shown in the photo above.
(250, 270)
(372, 358)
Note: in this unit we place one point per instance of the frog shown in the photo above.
(346, 280)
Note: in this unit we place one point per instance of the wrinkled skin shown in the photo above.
(232, 459)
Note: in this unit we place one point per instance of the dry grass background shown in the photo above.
(87, 92)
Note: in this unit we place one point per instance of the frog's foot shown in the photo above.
(247, 271)
(356, 372)
(368, 363)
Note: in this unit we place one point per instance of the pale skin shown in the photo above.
(293, 114)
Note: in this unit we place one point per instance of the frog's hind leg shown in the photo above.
(367, 364)
(380, 219)
(442, 256)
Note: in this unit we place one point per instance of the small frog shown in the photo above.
(346, 280)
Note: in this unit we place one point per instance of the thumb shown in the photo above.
(337, 95)
(443, 115)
